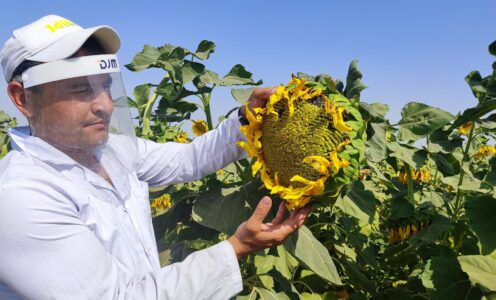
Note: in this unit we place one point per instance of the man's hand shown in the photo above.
(258, 98)
(254, 235)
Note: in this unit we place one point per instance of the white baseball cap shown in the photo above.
(52, 38)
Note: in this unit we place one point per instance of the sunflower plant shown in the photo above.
(6, 122)
(408, 208)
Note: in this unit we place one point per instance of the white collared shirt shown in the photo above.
(65, 233)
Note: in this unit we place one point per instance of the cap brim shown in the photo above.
(69, 44)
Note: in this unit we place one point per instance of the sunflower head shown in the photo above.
(304, 141)
(422, 175)
(162, 202)
(199, 127)
(182, 137)
(464, 129)
(485, 150)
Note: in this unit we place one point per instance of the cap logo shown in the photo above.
(59, 25)
(109, 63)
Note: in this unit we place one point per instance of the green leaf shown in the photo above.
(4, 117)
(480, 269)
(474, 113)
(174, 70)
(225, 209)
(444, 279)
(205, 48)
(433, 197)
(363, 198)
(169, 90)
(284, 263)
(145, 59)
(356, 277)
(242, 95)
(474, 80)
(251, 296)
(141, 95)
(325, 296)
(173, 57)
(489, 122)
(419, 120)
(208, 77)
(238, 75)
(440, 141)
(439, 226)
(270, 295)
(167, 49)
(376, 149)
(401, 208)
(447, 164)
(190, 70)
(375, 112)
(492, 48)
(353, 81)
(174, 110)
(481, 211)
(305, 247)
(408, 154)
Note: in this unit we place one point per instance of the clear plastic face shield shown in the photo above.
(79, 106)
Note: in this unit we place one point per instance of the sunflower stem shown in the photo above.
(465, 158)
(206, 107)
(410, 184)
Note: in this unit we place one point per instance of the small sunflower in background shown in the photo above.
(199, 127)
(485, 150)
(464, 129)
(161, 203)
(182, 137)
(422, 175)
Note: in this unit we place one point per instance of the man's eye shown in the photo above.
(80, 90)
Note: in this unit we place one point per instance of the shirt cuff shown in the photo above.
(234, 124)
(233, 273)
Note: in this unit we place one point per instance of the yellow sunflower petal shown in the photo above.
(256, 167)
(338, 121)
(319, 163)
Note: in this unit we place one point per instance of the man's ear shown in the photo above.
(18, 96)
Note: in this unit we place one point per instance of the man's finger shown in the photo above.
(297, 218)
(261, 211)
(263, 93)
(281, 211)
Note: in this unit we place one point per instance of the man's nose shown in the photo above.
(102, 102)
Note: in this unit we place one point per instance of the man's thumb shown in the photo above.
(262, 210)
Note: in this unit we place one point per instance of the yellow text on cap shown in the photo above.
(59, 24)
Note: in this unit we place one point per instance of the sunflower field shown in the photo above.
(399, 211)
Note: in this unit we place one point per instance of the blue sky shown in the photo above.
(407, 50)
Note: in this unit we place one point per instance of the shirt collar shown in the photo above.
(34, 146)
(40, 149)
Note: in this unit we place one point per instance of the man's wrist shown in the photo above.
(237, 247)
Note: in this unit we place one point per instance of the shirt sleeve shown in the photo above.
(47, 252)
(168, 163)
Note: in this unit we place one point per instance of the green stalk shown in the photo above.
(206, 107)
(205, 99)
(147, 112)
(410, 184)
(465, 158)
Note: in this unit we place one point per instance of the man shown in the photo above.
(74, 211)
